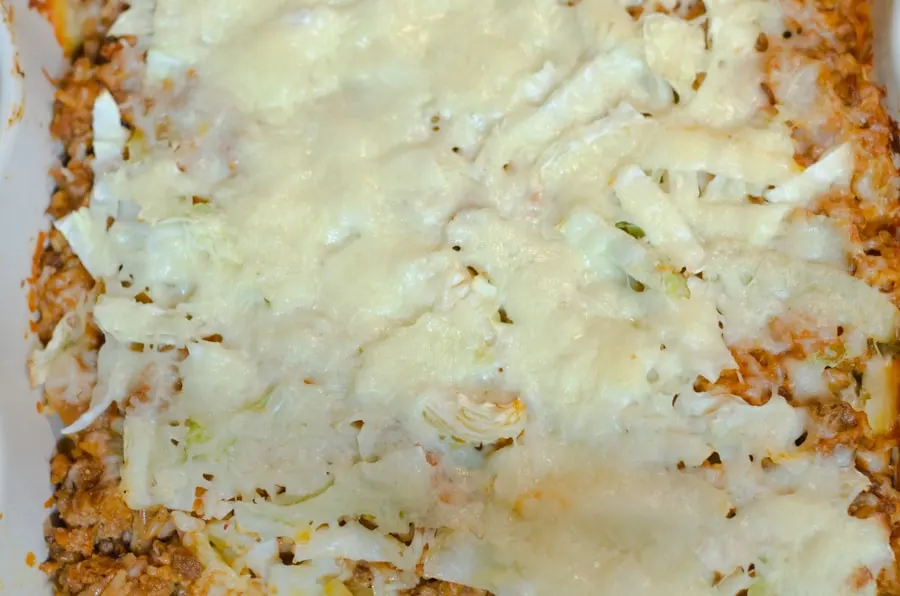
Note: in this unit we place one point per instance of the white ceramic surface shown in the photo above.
(26, 155)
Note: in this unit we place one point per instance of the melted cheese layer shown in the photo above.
(386, 233)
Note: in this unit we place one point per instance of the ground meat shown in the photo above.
(59, 468)
(59, 292)
(439, 588)
(95, 541)
(185, 564)
(150, 585)
(84, 474)
(73, 188)
(127, 576)
(75, 540)
(96, 571)
(100, 507)
(839, 416)
(837, 423)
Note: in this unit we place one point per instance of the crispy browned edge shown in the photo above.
(95, 542)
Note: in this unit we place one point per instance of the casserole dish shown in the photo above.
(26, 448)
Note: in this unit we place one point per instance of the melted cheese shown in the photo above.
(385, 234)
(835, 168)
(109, 134)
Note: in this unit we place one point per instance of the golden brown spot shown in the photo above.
(698, 80)
(860, 578)
(767, 91)
(695, 10)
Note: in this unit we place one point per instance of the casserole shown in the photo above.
(627, 182)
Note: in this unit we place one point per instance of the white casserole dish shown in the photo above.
(27, 50)
(26, 153)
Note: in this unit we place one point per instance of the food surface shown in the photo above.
(470, 297)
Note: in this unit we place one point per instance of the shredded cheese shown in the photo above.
(387, 236)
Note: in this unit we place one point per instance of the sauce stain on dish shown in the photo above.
(56, 12)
